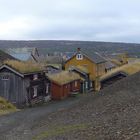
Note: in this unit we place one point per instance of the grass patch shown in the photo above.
(60, 131)
(6, 107)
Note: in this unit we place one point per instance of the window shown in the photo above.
(75, 83)
(35, 77)
(35, 91)
(47, 88)
(5, 77)
(91, 84)
(86, 85)
(79, 56)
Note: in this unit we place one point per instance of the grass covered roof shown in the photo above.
(24, 67)
(64, 77)
(129, 69)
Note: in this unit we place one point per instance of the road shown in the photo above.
(18, 126)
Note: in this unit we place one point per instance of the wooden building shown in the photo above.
(94, 63)
(22, 83)
(64, 84)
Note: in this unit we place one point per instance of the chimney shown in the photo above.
(78, 49)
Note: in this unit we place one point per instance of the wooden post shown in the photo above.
(97, 84)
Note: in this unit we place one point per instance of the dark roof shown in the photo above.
(109, 65)
(5, 56)
(97, 58)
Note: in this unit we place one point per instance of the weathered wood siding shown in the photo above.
(101, 69)
(13, 89)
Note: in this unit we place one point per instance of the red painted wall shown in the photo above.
(59, 92)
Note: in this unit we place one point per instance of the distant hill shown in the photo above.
(70, 46)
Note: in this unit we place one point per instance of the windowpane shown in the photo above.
(75, 83)
(35, 91)
(5, 77)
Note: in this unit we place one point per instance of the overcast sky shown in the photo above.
(96, 20)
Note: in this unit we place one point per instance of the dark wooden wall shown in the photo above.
(13, 89)
(20, 90)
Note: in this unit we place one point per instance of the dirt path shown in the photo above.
(18, 126)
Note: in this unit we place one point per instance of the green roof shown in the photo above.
(63, 77)
(24, 67)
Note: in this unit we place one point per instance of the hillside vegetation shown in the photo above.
(50, 46)
(6, 107)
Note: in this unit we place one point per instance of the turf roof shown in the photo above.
(63, 77)
(24, 67)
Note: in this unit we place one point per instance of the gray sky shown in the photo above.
(96, 20)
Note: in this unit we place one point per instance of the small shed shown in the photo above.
(64, 84)
(23, 83)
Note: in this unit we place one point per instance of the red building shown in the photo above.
(64, 84)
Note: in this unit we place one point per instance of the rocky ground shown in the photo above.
(112, 114)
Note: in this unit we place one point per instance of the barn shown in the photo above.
(23, 83)
(64, 84)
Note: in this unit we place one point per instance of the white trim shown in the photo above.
(35, 88)
(75, 83)
(79, 56)
(8, 67)
(86, 84)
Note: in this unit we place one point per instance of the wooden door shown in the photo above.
(4, 87)
(7, 88)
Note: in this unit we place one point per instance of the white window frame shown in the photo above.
(86, 85)
(76, 84)
(35, 91)
(79, 56)
(5, 77)
(91, 84)
(35, 76)
(47, 88)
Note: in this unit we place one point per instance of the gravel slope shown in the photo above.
(112, 114)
